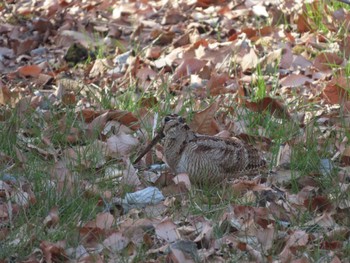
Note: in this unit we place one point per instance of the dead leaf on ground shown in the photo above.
(294, 80)
(336, 90)
(204, 122)
(167, 231)
(30, 71)
(188, 67)
(54, 252)
(121, 144)
(269, 104)
(326, 61)
(116, 242)
(52, 218)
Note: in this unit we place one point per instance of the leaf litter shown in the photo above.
(86, 80)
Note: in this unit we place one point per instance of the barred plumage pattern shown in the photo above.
(207, 159)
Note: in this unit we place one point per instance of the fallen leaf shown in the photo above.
(204, 122)
(335, 91)
(53, 252)
(294, 80)
(167, 231)
(271, 105)
(184, 179)
(326, 61)
(249, 60)
(121, 144)
(104, 221)
(187, 67)
(29, 71)
(52, 218)
(116, 242)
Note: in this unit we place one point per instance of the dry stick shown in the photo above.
(156, 139)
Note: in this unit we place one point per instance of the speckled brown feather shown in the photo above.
(207, 158)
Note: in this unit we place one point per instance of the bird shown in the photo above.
(207, 159)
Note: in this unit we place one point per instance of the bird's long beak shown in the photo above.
(160, 135)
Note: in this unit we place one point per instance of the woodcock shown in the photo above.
(206, 159)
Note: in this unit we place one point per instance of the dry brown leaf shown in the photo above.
(249, 60)
(52, 218)
(188, 67)
(266, 236)
(206, 234)
(162, 37)
(297, 239)
(116, 242)
(53, 252)
(121, 144)
(5, 95)
(146, 74)
(96, 126)
(204, 122)
(303, 24)
(30, 71)
(325, 221)
(167, 231)
(335, 91)
(183, 178)
(153, 52)
(318, 204)
(62, 176)
(217, 83)
(271, 105)
(173, 16)
(294, 80)
(326, 61)
(129, 174)
(103, 221)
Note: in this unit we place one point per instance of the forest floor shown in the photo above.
(84, 86)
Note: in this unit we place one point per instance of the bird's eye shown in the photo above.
(166, 119)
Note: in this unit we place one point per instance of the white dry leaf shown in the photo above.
(121, 144)
(99, 68)
(271, 58)
(21, 198)
(183, 178)
(249, 60)
(295, 80)
(103, 221)
(116, 242)
(284, 153)
(265, 236)
(325, 221)
(205, 233)
(130, 174)
(167, 231)
(260, 10)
